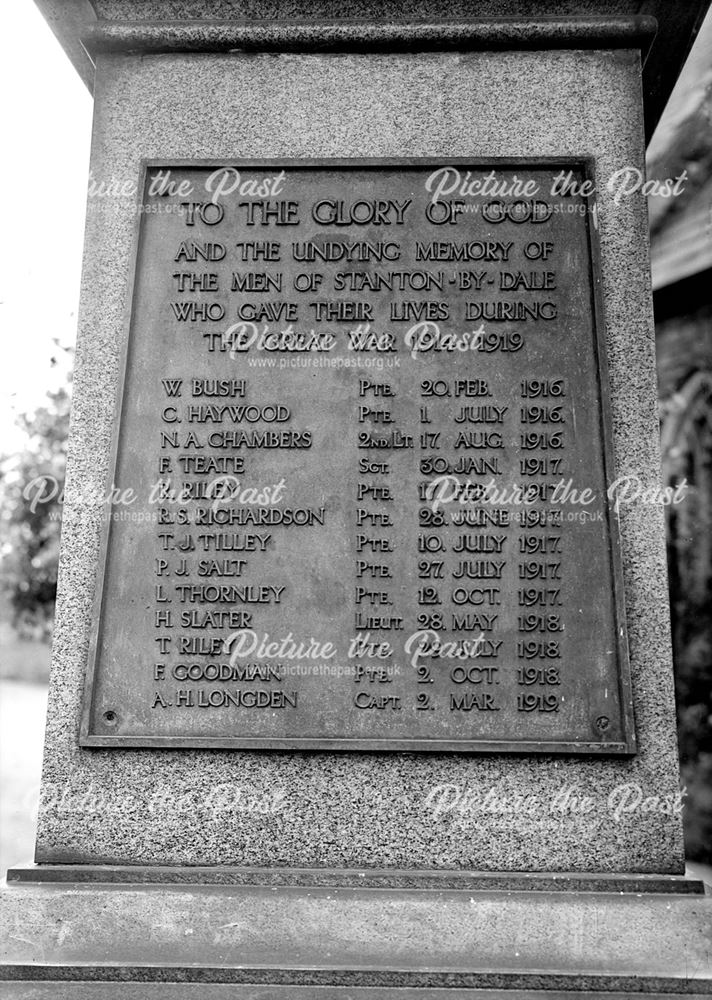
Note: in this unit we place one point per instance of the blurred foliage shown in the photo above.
(686, 436)
(31, 530)
(692, 651)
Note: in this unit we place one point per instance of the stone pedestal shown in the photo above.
(375, 933)
(364, 810)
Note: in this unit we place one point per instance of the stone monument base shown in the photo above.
(104, 932)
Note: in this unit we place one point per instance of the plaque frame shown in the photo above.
(627, 747)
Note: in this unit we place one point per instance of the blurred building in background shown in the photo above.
(681, 249)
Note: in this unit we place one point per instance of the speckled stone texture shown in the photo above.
(364, 35)
(363, 810)
(175, 10)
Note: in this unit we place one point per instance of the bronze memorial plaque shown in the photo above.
(360, 498)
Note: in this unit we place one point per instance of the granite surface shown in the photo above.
(362, 810)
(147, 10)
(359, 35)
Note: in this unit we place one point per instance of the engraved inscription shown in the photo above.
(366, 424)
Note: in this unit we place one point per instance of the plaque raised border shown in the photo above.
(627, 746)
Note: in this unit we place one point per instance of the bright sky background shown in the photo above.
(46, 128)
